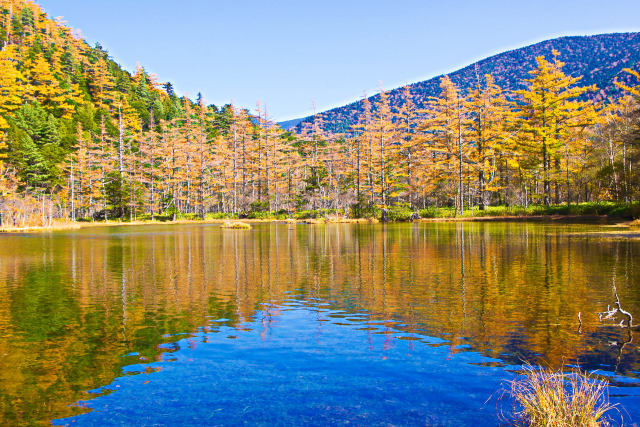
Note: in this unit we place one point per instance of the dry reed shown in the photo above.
(560, 399)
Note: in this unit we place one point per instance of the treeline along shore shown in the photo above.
(81, 139)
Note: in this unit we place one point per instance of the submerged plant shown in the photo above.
(560, 399)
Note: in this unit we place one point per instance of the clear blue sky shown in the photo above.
(287, 53)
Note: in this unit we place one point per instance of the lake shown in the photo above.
(366, 324)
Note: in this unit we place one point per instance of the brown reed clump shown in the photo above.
(560, 399)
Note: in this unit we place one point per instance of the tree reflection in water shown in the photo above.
(73, 304)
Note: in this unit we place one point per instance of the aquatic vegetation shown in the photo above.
(560, 399)
(315, 221)
(236, 225)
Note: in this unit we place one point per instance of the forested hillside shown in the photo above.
(599, 60)
(83, 139)
(80, 136)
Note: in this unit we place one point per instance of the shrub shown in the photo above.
(305, 214)
(433, 212)
(401, 212)
(363, 209)
(259, 206)
(189, 216)
(221, 215)
(428, 213)
(259, 215)
(627, 211)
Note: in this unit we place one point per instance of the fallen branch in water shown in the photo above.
(610, 314)
(580, 322)
(617, 308)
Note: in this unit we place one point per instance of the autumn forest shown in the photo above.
(83, 139)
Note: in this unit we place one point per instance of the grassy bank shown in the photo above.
(620, 211)
(70, 225)
(582, 212)
(626, 211)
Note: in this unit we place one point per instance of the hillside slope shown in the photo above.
(45, 61)
(599, 59)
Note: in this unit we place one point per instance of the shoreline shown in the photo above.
(80, 225)
(570, 219)
(588, 219)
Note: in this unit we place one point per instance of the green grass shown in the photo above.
(266, 215)
(403, 212)
(615, 210)
(220, 215)
(318, 213)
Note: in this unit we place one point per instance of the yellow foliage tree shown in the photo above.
(445, 140)
(634, 90)
(491, 115)
(549, 112)
(45, 88)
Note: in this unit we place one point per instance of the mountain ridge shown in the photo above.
(599, 59)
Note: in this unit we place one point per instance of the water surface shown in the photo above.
(406, 324)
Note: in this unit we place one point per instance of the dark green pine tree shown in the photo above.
(32, 166)
(36, 147)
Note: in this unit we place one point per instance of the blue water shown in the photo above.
(406, 324)
(298, 365)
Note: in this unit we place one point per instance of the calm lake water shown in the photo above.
(403, 324)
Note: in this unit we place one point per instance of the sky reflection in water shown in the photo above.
(297, 365)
